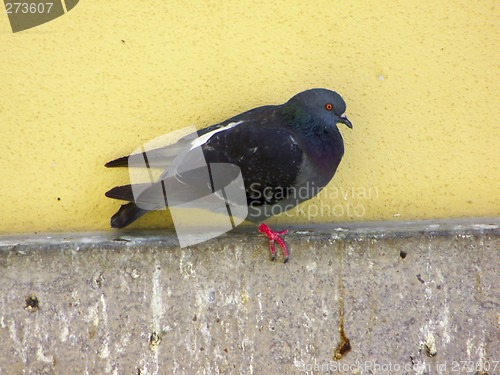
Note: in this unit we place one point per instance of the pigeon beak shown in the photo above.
(344, 120)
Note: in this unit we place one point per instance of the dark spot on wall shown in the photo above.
(92, 332)
(32, 303)
(154, 341)
(98, 280)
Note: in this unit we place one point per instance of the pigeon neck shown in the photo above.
(322, 141)
(299, 119)
(327, 146)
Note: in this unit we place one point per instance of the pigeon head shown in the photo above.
(324, 104)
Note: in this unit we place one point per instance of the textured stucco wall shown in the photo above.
(420, 78)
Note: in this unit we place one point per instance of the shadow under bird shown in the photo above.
(285, 154)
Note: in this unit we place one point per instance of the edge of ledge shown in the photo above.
(335, 231)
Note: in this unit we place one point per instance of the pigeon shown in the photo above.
(286, 154)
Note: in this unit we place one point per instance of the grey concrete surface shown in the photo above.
(411, 298)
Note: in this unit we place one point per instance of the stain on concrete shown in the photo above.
(32, 303)
(344, 345)
(154, 341)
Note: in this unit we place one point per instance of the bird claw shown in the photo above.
(275, 236)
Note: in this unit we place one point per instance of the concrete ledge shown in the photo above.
(413, 298)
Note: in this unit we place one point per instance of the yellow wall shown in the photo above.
(420, 79)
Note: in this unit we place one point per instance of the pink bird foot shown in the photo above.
(274, 236)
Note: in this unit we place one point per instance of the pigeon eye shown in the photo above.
(328, 106)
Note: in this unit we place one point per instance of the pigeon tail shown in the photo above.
(127, 214)
(120, 162)
(124, 193)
